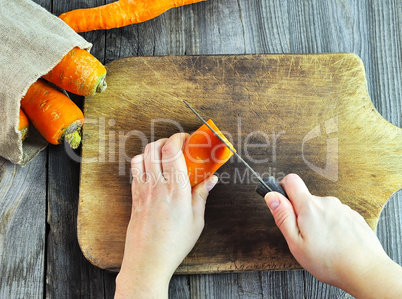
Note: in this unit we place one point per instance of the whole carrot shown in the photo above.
(118, 14)
(205, 153)
(23, 125)
(53, 114)
(79, 72)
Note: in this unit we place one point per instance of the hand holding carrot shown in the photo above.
(167, 219)
(204, 153)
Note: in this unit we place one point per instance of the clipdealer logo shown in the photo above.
(330, 170)
(112, 145)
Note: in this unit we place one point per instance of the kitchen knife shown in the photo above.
(265, 185)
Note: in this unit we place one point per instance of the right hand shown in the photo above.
(333, 242)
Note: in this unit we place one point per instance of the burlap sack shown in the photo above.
(32, 42)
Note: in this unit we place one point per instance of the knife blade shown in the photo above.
(267, 184)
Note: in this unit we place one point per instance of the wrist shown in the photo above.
(133, 284)
(382, 281)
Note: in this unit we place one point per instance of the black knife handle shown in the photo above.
(273, 184)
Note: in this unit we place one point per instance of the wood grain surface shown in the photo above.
(309, 114)
(370, 29)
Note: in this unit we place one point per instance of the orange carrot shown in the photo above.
(79, 72)
(205, 153)
(23, 125)
(53, 114)
(118, 14)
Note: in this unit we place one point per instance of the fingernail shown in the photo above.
(272, 201)
(212, 182)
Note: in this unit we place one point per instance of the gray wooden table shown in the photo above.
(39, 253)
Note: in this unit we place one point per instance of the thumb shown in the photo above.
(284, 215)
(200, 193)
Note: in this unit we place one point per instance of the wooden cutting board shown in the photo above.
(308, 114)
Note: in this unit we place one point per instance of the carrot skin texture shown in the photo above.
(78, 72)
(204, 153)
(119, 13)
(23, 125)
(52, 113)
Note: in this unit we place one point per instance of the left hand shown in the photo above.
(166, 220)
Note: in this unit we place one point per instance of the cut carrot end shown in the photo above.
(72, 135)
(73, 139)
(213, 126)
(204, 153)
(102, 85)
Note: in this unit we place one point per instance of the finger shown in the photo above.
(153, 157)
(199, 195)
(173, 162)
(297, 191)
(284, 215)
(137, 168)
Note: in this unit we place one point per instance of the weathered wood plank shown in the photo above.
(266, 26)
(179, 287)
(64, 257)
(386, 35)
(22, 228)
(386, 88)
(283, 284)
(389, 230)
(317, 290)
(214, 286)
(23, 225)
(68, 273)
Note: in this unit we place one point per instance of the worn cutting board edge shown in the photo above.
(231, 266)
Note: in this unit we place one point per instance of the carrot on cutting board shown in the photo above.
(79, 72)
(118, 14)
(53, 114)
(23, 125)
(205, 153)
